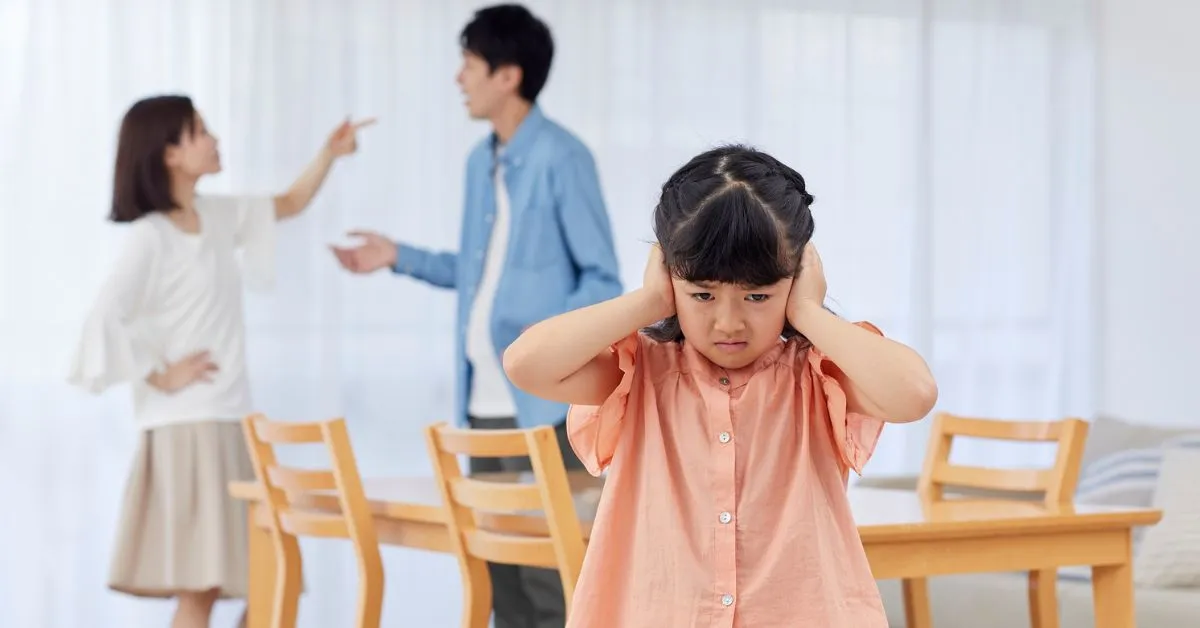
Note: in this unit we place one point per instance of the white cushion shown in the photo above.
(1128, 477)
(1169, 553)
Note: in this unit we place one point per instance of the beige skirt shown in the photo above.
(179, 530)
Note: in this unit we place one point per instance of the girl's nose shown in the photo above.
(729, 320)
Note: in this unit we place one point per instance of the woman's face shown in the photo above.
(196, 153)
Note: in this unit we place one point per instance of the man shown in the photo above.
(536, 241)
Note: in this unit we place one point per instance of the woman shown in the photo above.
(169, 320)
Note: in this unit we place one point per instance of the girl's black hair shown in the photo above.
(140, 181)
(732, 215)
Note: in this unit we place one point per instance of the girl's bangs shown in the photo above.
(732, 239)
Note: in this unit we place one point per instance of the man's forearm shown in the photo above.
(438, 269)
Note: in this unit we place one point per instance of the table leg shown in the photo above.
(917, 611)
(1112, 592)
(1043, 598)
(262, 573)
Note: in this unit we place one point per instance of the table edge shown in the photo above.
(1112, 520)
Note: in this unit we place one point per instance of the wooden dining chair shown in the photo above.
(287, 522)
(1055, 484)
(489, 519)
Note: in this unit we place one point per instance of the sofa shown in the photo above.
(1124, 464)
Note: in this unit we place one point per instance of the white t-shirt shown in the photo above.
(489, 397)
(172, 294)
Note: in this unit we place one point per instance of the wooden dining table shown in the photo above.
(904, 536)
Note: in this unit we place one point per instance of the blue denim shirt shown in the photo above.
(560, 248)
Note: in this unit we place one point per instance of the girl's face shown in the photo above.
(731, 325)
(196, 153)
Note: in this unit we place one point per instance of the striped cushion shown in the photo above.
(1128, 478)
(1125, 478)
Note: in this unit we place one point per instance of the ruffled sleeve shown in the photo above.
(595, 430)
(854, 434)
(116, 346)
(255, 235)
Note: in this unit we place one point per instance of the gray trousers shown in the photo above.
(524, 597)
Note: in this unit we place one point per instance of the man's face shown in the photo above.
(484, 91)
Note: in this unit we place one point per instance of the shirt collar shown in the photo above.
(697, 363)
(513, 152)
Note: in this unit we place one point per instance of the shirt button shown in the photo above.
(724, 381)
(727, 600)
(725, 517)
(724, 437)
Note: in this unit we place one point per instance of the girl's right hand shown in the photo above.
(656, 283)
(197, 367)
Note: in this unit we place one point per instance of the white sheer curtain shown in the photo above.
(948, 144)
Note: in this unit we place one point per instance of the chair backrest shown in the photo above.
(478, 507)
(282, 484)
(1057, 483)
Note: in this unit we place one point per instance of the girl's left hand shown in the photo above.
(344, 139)
(808, 286)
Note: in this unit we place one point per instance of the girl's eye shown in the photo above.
(758, 298)
(702, 296)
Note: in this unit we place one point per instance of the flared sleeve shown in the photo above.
(116, 345)
(855, 435)
(594, 431)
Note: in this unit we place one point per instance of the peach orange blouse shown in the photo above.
(725, 502)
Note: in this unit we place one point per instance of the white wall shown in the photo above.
(1149, 183)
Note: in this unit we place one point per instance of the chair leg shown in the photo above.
(917, 613)
(260, 600)
(370, 598)
(1043, 598)
(289, 580)
(477, 593)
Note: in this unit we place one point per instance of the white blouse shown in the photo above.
(172, 294)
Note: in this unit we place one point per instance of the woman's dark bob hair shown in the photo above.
(140, 181)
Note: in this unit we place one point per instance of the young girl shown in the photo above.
(728, 423)
(169, 321)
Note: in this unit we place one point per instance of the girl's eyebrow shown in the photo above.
(764, 288)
